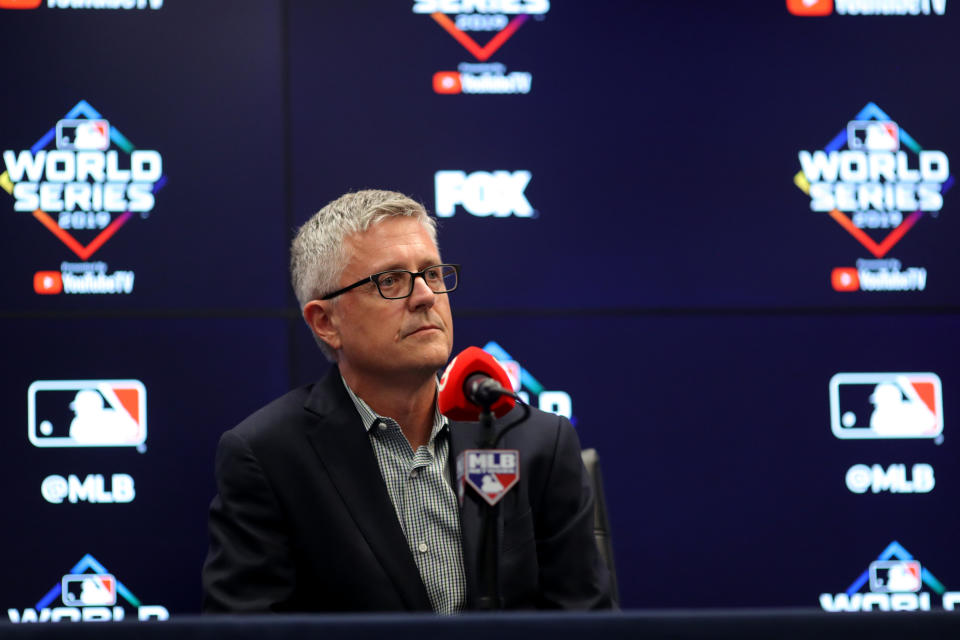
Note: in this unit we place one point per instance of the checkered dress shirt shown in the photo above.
(426, 505)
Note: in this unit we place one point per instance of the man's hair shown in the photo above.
(318, 255)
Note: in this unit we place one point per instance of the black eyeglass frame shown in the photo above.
(375, 279)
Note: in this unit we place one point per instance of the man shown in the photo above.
(338, 496)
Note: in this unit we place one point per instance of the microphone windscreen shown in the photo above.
(452, 400)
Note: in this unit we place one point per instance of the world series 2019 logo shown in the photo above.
(83, 180)
(895, 581)
(877, 182)
(503, 18)
(88, 593)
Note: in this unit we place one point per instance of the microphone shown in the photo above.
(483, 390)
(473, 381)
(471, 385)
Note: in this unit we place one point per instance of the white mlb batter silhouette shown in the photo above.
(93, 592)
(896, 415)
(901, 578)
(96, 424)
(490, 484)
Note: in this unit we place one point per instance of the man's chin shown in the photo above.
(436, 357)
(429, 349)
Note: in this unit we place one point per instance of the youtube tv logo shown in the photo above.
(447, 82)
(810, 8)
(845, 279)
(47, 282)
(19, 4)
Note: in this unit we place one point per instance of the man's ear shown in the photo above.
(320, 317)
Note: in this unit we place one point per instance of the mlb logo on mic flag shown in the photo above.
(491, 472)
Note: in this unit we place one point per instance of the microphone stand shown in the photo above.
(491, 600)
(489, 543)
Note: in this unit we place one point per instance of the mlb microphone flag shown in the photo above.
(491, 472)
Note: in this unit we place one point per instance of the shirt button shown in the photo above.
(422, 547)
(382, 425)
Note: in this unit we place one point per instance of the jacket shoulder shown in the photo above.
(273, 419)
(539, 429)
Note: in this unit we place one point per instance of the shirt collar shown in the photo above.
(370, 418)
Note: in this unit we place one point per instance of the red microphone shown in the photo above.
(474, 380)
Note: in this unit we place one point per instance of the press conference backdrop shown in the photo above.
(719, 236)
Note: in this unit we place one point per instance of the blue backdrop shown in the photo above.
(681, 220)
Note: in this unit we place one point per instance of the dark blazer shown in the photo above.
(303, 521)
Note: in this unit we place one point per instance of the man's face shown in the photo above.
(391, 337)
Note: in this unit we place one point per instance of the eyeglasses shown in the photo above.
(398, 283)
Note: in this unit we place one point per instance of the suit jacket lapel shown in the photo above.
(342, 443)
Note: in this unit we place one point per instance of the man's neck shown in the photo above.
(411, 404)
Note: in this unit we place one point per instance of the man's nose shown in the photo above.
(422, 295)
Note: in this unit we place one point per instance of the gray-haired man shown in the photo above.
(338, 496)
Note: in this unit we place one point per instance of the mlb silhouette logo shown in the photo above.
(873, 135)
(87, 413)
(895, 576)
(89, 590)
(492, 472)
(886, 405)
(83, 135)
